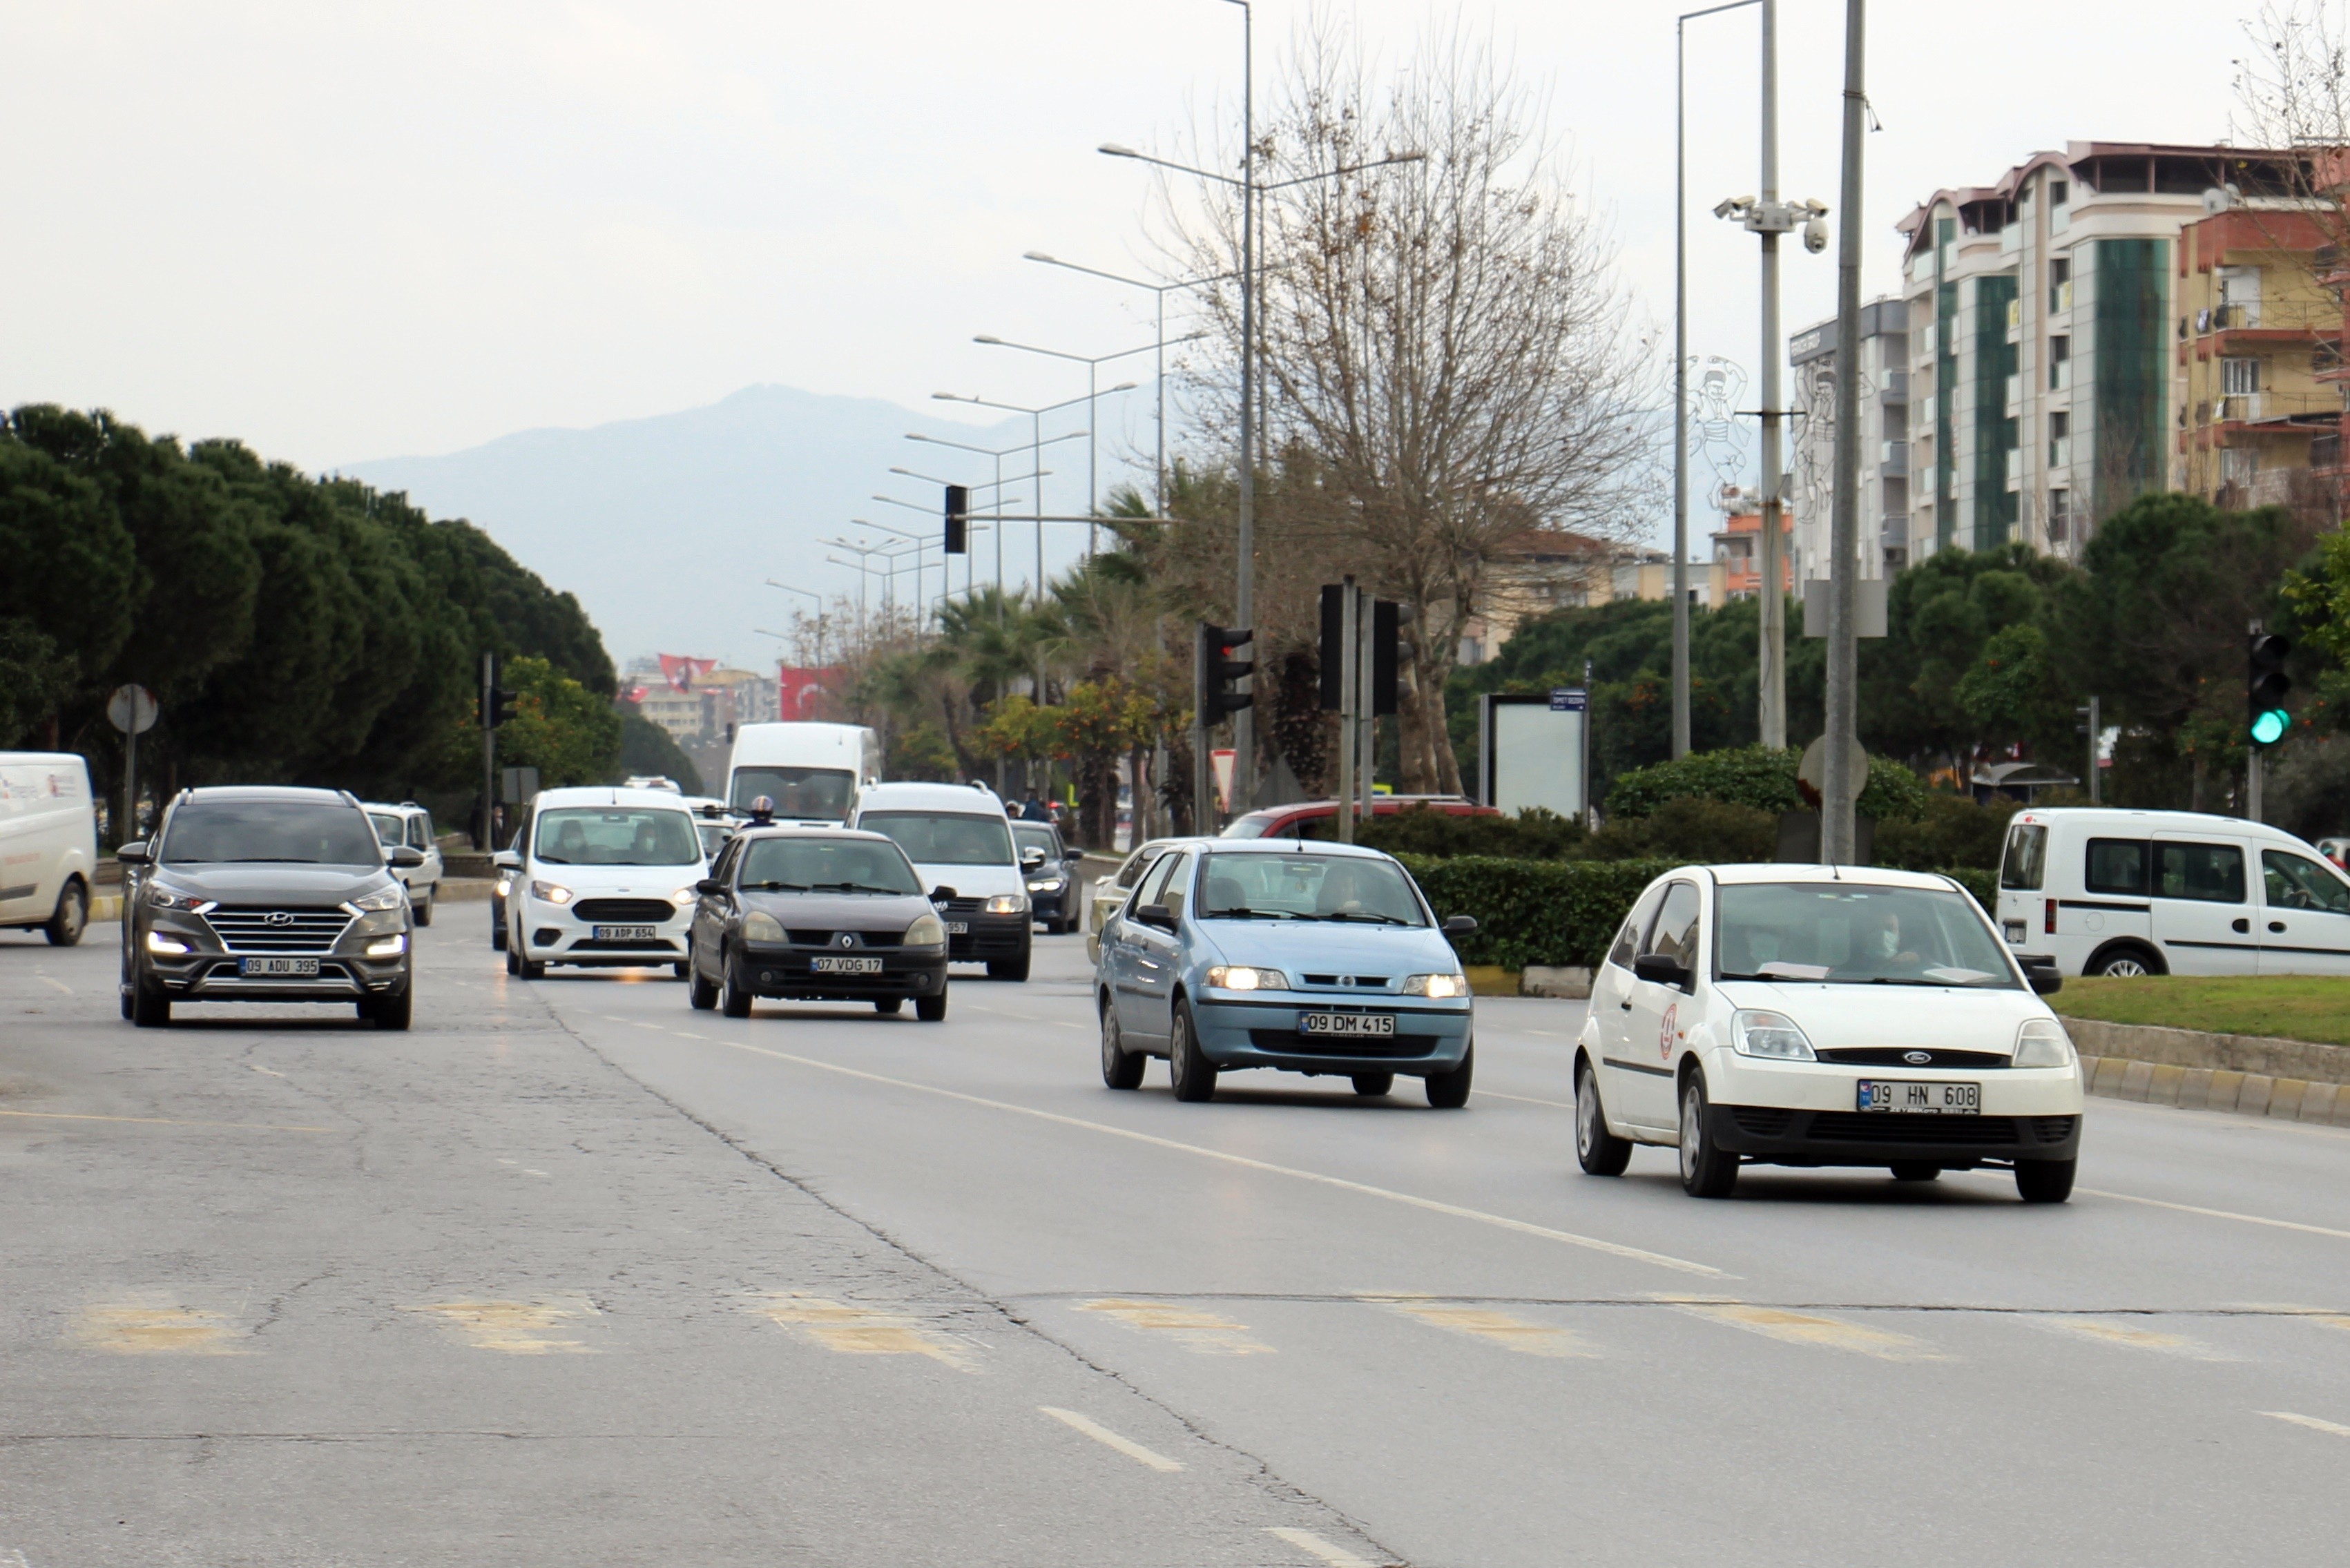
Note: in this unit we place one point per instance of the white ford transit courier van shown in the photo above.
(603, 878)
(957, 836)
(2170, 892)
(48, 843)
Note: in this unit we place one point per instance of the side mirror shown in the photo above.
(941, 895)
(1031, 857)
(403, 858)
(709, 886)
(1158, 915)
(135, 854)
(2040, 972)
(1459, 925)
(508, 860)
(1661, 969)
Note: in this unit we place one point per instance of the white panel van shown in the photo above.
(48, 844)
(2170, 892)
(812, 772)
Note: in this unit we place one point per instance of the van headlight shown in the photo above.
(761, 928)
(927, 931)
(1243, 977)
(2043, 1043)
(1436, 986)
(550, 892)
(684, 898)
(1008, 904)
(1756, 1033)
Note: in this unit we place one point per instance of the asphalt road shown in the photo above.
(572, 1274)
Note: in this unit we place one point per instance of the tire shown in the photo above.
(1706, 1171)
(1009, 969)
(732, 1000)
(1598, 1150)
(514, 959)
(125, 996)
(531, 970)
(1194, 1075)
(888, 1006)
(150, 1008)
(497, 935)
(1915, 1170)
(682, 970)
(71, 916)
(2044, 1180)
(2126, 961)
(394, 1010)
(931, 1008)
(1371, 1086)
(423, 912)
(1121, 1068)
(1449, 1091)
(700, 995)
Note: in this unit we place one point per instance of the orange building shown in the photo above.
(1738, 545)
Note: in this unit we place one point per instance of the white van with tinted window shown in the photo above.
(811, 772)
(2170, 892)
(48, 844)
(959, 838)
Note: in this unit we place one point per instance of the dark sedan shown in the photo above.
(815, 915)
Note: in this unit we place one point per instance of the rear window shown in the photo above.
(269, 832)
(2025, 865)
(945, 838)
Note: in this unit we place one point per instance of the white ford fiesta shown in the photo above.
(1815, 1015)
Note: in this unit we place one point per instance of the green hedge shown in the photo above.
(1560, 912)
(1761, 778)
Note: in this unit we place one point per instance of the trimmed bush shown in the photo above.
(1690, 829)
(1760, 778)
(1952, 831)
(1534, 834)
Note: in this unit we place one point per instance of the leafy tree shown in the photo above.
(570, 735)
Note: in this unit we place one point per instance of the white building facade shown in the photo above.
(1883, 525)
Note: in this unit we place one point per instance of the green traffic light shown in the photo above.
(2269, 728)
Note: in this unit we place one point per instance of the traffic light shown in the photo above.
(497, 705)
(1218, 670)
(958, 540)
(1334, 647)
(2265, 684)
(1388, 646)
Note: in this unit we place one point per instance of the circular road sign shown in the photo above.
(132, 710)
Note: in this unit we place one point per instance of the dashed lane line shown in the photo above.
(158, 1121)
(1807, 1328)
(1526, 1099)
(1483, 1322)
(2128, 1338)
(2312, 1422)
(862, 1330)
(2217, 1213)
(1305, 1540)
(1433, 1206)
(512, 1327)
(52, 980)
(1202, 1333)
(1110, 1439)
(153, 1328)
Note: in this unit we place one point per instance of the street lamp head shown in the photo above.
(1118, 150)
(1040, 255)
(990, 338)
(1122, 387)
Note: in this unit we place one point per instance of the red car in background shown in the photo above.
(1312, 818)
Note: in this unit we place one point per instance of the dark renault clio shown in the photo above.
(256, 894)
(817, 915)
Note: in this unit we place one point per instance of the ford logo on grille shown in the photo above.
(1918, 1058)
(281, 917)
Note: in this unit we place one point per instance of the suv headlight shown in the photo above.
(1243, 977)
(1755, 1033)
(1008, 904)
(550, 892)
(1437, 985)
(758, 926)
(161, 897)
(2043, 1043)
(927, 931)
(390, 897)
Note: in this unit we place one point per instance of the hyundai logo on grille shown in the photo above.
(1918, 1058)
(281, 917)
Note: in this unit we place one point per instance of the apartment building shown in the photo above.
(1547, 569)
(1883, 525)
(1737, 545)
(2039, 321)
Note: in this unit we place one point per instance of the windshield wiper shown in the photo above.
(1246, 914)
(1371, 918)
(774, 888)
(857, 888)
(270, 860)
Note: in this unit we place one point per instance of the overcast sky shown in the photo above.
(345, 231)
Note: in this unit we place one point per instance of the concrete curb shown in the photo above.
(2281, 1099)
(2252, 1054)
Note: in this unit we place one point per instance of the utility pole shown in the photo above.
(1772, 593)
(2093, 726)
(1244, 593)
(1349, 699)
(1839, 832)
(1367, 707)
(489, 751)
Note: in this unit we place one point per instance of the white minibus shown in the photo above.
(812, 772)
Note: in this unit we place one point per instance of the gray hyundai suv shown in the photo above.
(255, 894)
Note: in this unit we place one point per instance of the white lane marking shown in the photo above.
(157, 1121)
(270, 1071)
(1108, 1439)
(61, 985)
(1500, 1221)
(1808, 1328)
(1526, 1099)
(1336, 1556)
(2312, 1422)
(1064, 1024)
(2216, 1213)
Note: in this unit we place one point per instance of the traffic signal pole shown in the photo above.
(1350, 688)
(489, 752)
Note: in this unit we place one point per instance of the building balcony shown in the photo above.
(2015, 395)
(2060, 452)
(1896, 389)
(1893, 459)
(2060, 297)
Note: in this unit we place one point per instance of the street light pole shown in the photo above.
(1839, 841)
(1774, 593)
(1244, 541)
(1093, 364)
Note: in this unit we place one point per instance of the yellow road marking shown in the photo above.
(515, 1328)
(2329, 1317)
(1202, 1331)
(1807, 1328)
(1527, 1099)
(2217, 1213)
(1103, 1435)
(2108, 1333)
(156, 1121)
(61, 985)
(2312, 1422)
(1336, 1556)
(1496, 1327)
(1458, 1211)
(862, 1330)
(152, 1328)
(270, 1071)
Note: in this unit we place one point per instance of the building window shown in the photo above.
(2059, 191)
(2239, 377)
(2059, 515)
(2059, 440)
(2238, 464)
(2060, 360)
(2060, 284)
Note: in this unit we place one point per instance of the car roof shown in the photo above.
(387, 806)
(794, 830)
(607, 795)
(1867, 875)
(970, 800)
(2153, 821)
(1287, 846)
(271, 792)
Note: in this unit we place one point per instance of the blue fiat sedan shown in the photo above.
(1324, 959)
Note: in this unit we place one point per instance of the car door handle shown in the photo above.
(1626, 1004)
(2241, 925)
(2276, 925)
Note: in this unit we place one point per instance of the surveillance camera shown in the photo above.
(1817, 207)
(1722, 209)
(1816, 236)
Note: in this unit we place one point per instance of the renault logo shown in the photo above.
(281, 917)
(1918, 1058)
(845, 940)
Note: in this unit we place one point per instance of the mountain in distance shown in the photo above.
(668, 527)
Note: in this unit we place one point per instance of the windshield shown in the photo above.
(944, 838)
(714, 836)
(1037, 836)
(1308, 887)
(388, 827)
(808, 793)
(802, 864)
(618, 835)
(1852, 934)
(292, 833)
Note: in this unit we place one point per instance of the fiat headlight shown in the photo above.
(1243, 977)
(1755, 1033)
(1008, 904)
(392, 898)
(761, 927)
(2043, 1043)
(550, 892)
(1437, 985)
(927, 931)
